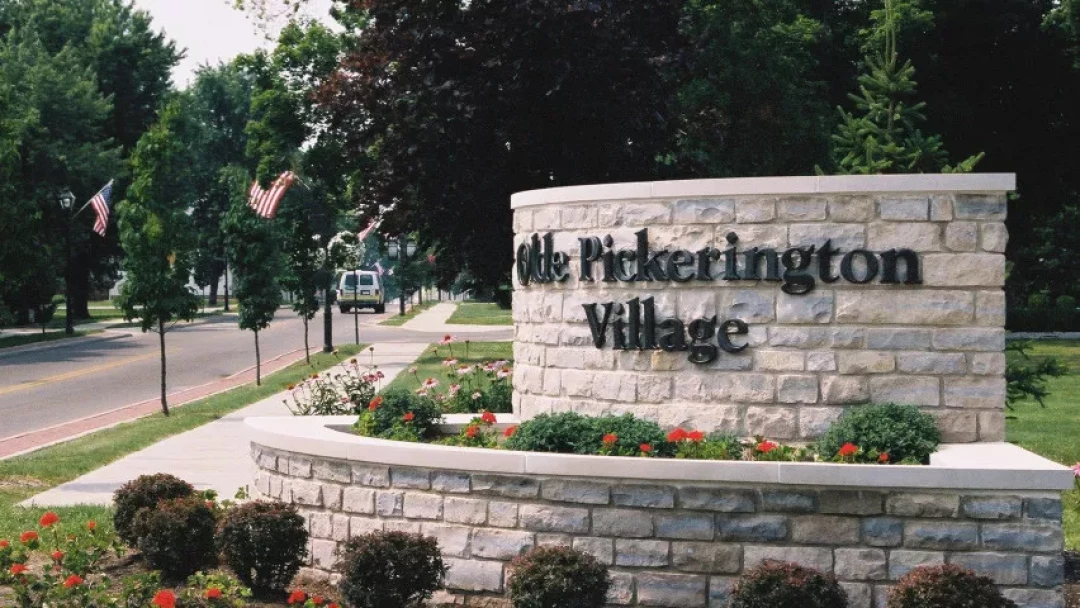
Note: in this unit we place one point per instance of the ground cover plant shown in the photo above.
(481, 313)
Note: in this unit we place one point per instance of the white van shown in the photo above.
(361, 289)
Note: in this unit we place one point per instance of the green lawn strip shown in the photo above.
(430, 364)
(35, 338)
(1052, 431)
(25, 476)
(480, 313)
(399, 320)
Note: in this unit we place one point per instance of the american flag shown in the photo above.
(100, 203)
(265, 202)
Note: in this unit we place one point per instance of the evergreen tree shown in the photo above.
(156, 232)
(255, 258)
(882, 135)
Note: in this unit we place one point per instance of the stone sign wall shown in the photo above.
(764, 306)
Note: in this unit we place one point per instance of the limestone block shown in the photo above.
(320, 525)
(621, 591)
(904, 208)
(697, 415)
(957, 426)
(941, 207)
(991, 507)
(756, 235)
(845, 390)
(825, 530)
(410, 478)
(634, 215)
(464, 510)
(670, 590)
(1003, 568)
(859, 362)
(684, 526)
(847, 337)
(522, 221)
(799, 337)
(788, 501)
(641, 553)
(752, 388)
(720, 588)
(774, 422)
(980, 207)
(797, 389)
(332, 470)
(706, 211)
(323, 553)
(616, 386)
(509, 486)
(903, 561)
(576, 491)
(359, 500)
(963, 269)
(710, 558)
(942, 535)
(1035, 598)
(577, 383)
(987, 364)
(779, 360)
(814, 307)
(627, 523)
(696, 304)
(453, 540)
(822, 361)
(1030, 537)
(603, 549)
(923, 505)
(1047, 570)
(307, 493)
(340, 527)
(993, 237)
(931, 363)
(801, 209)
(423, 506)
(962, 236)
(502, 514)
(577, 217)
(814, 421)
(546, 518)
(688, 238)
(909, 390)
(883, 531)
(975, 392)
(859, 564)
(750, 305)
(918, 236)
(905, 307)
(358, 526)
(553, 540)
(990, 308)
(852, 209)
(473, 575)
(850, 502)
(501, 544)
(1048, 508)
(653, 388)
(846, 237)
(755, 211)
(546, 217)
(720, 500)
(992, 425)
(647, 496)
(888, 338)
(818, 558)
(751, 528)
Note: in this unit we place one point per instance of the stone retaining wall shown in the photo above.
(938, 345)
(671, 543)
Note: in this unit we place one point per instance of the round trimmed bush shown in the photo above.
(570, 433)
(143, 492)
(784, 585)
(902, 431)
(389, 570)
(558, 577)
(946, 586)
(177, 536)
(264, 543)
(385, 420)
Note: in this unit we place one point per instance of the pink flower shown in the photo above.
(447, 339)
(454, 389)
(505, 372)
(1076, 470)
(430, 383)
(476, 395)
(450, 362)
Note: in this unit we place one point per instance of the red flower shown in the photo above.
(164, 599)
(91, 525)
(472, 431)
(695, 436)
(766, 446)
(848, 449)
(610, 439)
(73, 580)
(332, 605)
(375, 403)
(509, 432)
(58, 555)
(883, 458)
(408, 417)
(29, 537)
(487, 417)
(48, 519)
(213, 593)
(17, 569)
(676, 436)
(3, 544)
(318, 601)
(297, 597)
(645, 448)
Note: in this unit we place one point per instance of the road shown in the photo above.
(62, 382)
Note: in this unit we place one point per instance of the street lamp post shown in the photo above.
(67, 201)
(401, 249)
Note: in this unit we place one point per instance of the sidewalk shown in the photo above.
(214, 456)
(434, 320)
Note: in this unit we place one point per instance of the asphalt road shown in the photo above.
(67, 381)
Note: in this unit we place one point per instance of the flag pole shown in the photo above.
(76, 214)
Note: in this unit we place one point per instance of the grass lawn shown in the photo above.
(480, 313)
(429, 365)
(1054, 431)
(25, 476)
(399, 320)
(24, 339)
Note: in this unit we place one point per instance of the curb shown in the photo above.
(106, 334)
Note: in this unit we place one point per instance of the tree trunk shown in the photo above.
(212, 300)
(307, 348)
(258, 361)
(226, 287)
(79, 302)
(161, 338)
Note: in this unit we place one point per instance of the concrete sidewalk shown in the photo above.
(434, 320)
(214, 456)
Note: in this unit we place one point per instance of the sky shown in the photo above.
(209, 30)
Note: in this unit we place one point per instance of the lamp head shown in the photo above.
(67, 199)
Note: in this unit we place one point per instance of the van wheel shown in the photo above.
(381, 308)
(344, 309)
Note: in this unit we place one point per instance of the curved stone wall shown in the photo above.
(674, 533)
(937, 343)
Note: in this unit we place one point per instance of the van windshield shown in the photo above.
(365, 279)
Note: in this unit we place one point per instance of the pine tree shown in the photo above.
(882, 134)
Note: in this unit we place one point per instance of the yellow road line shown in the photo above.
(76, 374)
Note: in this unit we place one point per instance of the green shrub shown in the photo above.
(632, 433)
(143, 492)
(177, 536)
(946, 586)
(716, 446)
(389, 570)
(558, 577)
(264, 543)
(386, 415)
(902, 431)
(784, 585)
(214, 591)
(563, 433)
(1066, 303)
